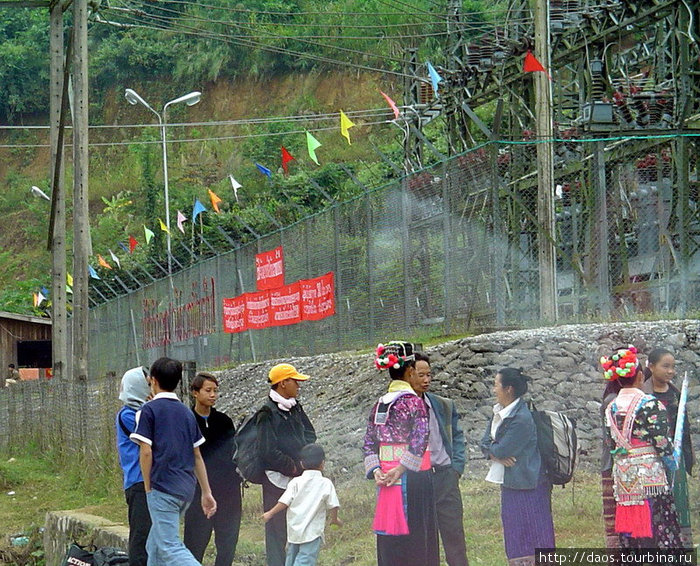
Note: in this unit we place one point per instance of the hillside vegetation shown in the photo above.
(270, 70)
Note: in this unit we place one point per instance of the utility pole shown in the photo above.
(545, 167)
(59, 314)
(81, 221)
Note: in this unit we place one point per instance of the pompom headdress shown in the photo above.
(623, 363)
(394, 354)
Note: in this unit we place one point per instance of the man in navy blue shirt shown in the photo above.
(169, 456)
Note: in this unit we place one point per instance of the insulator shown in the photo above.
(622, 106)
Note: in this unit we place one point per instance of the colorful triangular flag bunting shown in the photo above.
(92, 272)
(435, 79)
(149, 234)
(215, 200)
(69, 279)
(115, 259)
(392, 105)
(345, 125)
(197, 209)
(132, 244)
(312, 144)
(102, 262)
(264, 170)
(180, 219)
(286, 158)
(123, 246)
(163, 227)
(236, 185)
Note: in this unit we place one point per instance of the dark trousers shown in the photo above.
(225, 523)
(275, 528)
(139, 524)
(448, 507)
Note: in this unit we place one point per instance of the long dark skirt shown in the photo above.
(420, 546)
(526, 515)
(664, 526)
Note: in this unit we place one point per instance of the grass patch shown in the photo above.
(40, 485)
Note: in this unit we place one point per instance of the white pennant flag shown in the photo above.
(236, 185)
(115, 259)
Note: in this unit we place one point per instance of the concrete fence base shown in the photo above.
(64, 527)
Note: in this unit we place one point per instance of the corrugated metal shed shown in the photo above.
(18, 333)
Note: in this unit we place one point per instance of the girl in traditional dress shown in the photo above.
(645, 514)
(396, 457)
(510, 443)
(612, 539)
(658, 377)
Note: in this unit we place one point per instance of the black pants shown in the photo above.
(275, 528)
(448, 506)
(139, 524)
(225, 523)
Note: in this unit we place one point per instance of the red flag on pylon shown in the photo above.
(286, 158)
(532, 65)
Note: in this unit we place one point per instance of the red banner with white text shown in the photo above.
(257, 309)
(269, 269)
(285, 305)
(234, 314)
(318, 297)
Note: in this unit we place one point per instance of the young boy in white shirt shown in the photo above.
(307, 498)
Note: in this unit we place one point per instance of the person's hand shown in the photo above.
(266, 516)
(507, 462)
(379, 477)
(337, 522)
(393, 476)
(208, 505)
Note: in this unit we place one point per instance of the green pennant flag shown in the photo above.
(149, 234)
(313, 144)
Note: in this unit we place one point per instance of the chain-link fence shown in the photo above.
(451, 247)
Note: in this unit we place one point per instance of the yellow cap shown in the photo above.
(285, 371)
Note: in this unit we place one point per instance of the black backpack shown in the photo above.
(557, 443)
(247, 454)
(110, 556)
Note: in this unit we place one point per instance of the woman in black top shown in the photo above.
(217, 452)
(283, 430)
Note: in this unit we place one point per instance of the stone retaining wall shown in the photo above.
(64, 527)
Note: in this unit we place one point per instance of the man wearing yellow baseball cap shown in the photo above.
(283, 430)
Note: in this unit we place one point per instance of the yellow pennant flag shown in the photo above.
(345, 125)
(215, 200)
(163, 226)
(102, 262)
(69, 279)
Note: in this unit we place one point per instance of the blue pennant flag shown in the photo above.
(434, 78)
(198, 207)
(45, 291)
(93, 273)
(123, 246)
(264, 170)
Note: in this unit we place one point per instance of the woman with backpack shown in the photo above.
(637, 424)
(396, 457)
(510, 444)
(217, 453)
(658, 381)
(283, 429)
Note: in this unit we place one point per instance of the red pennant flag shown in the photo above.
(132, 244)
(286, 158)
(532, 65)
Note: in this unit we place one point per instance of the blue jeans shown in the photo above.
(164, 546)
(305, 554)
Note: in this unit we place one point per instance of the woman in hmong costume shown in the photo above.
(510, 443)
(396, 457)
(645, 514)
(660, 371)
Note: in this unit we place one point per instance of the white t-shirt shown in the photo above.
(498, 470)
(308, 497)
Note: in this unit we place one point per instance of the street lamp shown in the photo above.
(190, 99)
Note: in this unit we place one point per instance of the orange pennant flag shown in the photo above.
(102, 262)
(215, 200)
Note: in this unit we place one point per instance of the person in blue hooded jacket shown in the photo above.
(510, 444)
(134, 392)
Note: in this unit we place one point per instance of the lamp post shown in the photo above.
(190, 99)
